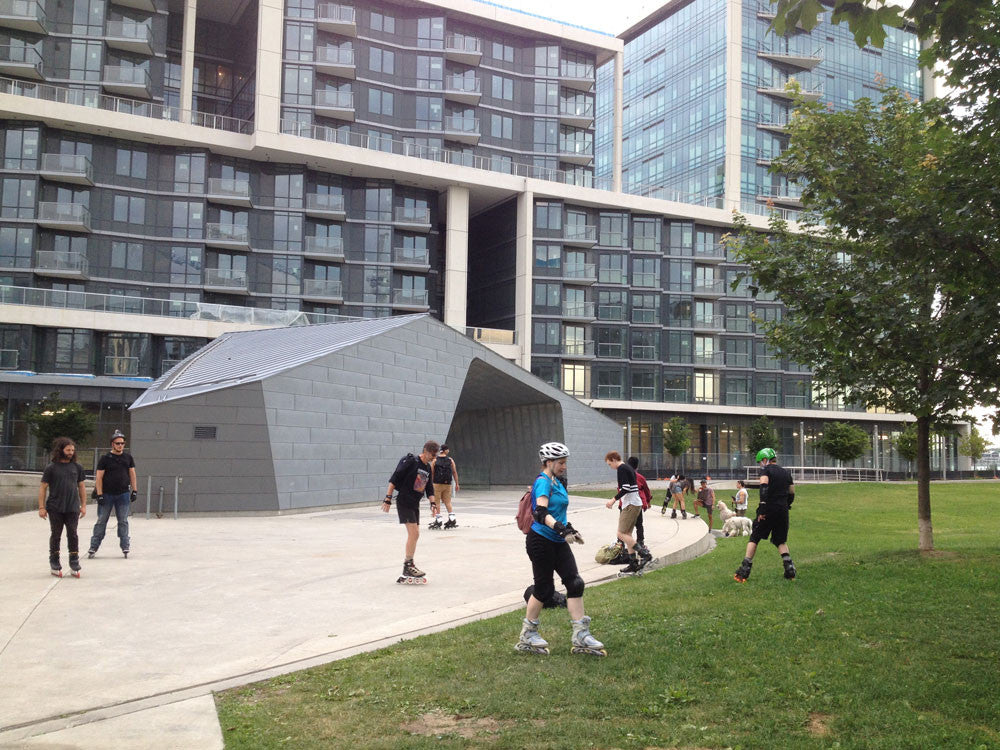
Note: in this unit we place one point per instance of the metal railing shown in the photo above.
(335, 13)
(578, 309)
(141, 108)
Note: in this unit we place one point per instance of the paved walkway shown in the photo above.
(128, 656)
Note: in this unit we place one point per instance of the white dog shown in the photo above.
(733, 525)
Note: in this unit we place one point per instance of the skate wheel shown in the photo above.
(56, 573)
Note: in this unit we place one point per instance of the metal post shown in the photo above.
(177, 489)
(628, 436)
(149, 494)
(802, 443)
(159, 513)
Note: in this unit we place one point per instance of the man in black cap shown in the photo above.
(116, 490)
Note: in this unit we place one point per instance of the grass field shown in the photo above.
(873, 646)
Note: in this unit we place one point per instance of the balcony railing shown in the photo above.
(709, 358)
(411, 256)
(229, 278)
(710, 286)
(645, 315)
(737, 398)
(463, 47)
(643, 393)
(575, 110)
(738, 325)
(646, 280)
(585, 234)
(610, 351)
(578, 310)
(712, 322)
(796, 402)
(644, 352)
(61, 261)
(462, 84)
(610, 391)
(738, 359)
(577, 349)
(72, 168)
(608, 238)
(23, 15)
(116, 303)
(229, 191)
(580, 272)
(335, 103)
(325, 204)
(337, 18)
(419, 215)
(676, 395)
(767, 399)
(611, 312)
(227, 234)
(122, 79)
(461, 128)
(70, 216)
(323, 288)
(338, 60)
(21, 60)
(329, 248)
(131, 36)
(121, 366)
(715, 251)
(409, 297)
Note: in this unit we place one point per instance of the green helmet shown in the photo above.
(766, 454)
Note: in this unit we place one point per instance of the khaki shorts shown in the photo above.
(442, 493)
(627, 518)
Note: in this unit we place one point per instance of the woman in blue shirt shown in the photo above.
(547, 544)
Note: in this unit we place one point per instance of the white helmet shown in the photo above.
(552, 451)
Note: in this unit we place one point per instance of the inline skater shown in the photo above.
(777, 493)
(412, 478)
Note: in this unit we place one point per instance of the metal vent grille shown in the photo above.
(202, 432)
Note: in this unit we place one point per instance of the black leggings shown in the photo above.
(548, 557)
(640, 533)
(57, 521)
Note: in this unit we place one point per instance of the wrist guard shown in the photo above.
(560, 529)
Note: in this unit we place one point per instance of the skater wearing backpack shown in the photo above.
(444, 470)
(777, 493)
(547, 545)
(412, 478)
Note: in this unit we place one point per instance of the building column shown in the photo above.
(734, 105)
(187, 59)
(456, 258)
(523, 282)
(928, 81)
(267, 97)
(619, 103)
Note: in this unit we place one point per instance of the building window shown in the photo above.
(73, 350)
(502, 52)
(127, 255)
(548, 216)
(130, 163)
(189, 173)
(677, 386)
(286, 272)
(646, 272)
(381, 22)
(130, 209)
(611, 269)
(574, 380)
(502, 88)
(548, 297)
(645, 308)
(378, 204)
(20, 149)
(502, 127)
(547, 337)
(430, 33)
(430, 113)
(18, 199)
(548, 256)
(185, 265)
(16, 246)
(381, 60)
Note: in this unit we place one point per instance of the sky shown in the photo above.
(614, 18)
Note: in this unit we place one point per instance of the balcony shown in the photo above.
(412, 258)
(578, 311)
(338, 105)
(709, 359)
(227, 280)
(709, 287)
(676, 395)
(644, 353)
(646, 316)
(764, 158)
(779, 89)
(23, 15)
(129, 36)
(323, 290)
(132, 82)
(334, 61)
(608, 238)
(230, 236)
(781, 54)
(70, 168)
(711, 253)
(576, 114)
(579, 76)
(413, 218)
(326, 206)
(646, 280)
(576, 152)
(708, 322)
(410, 299)
(61, 264)
(70, 217)
(610, 391)
(796, 402)
(738, 325)
(773, 124)
(9, 359)
(610, 351)
(579, 273)
(461, 129)
(643, 393)
(463, 89)
(327, 249)
(580, 234)
(21, 61)
(577, 349)
(230, 192)
(460, 48)
(337, 19)
(767, 399)
(737, 398)
(124, 366)
(782, 196)
(738, 359)
(145, 5)
(611, 312)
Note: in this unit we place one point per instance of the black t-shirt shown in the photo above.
(116, 480)
(63, 479)
(442, 470)
(779, 479)
(412, 479)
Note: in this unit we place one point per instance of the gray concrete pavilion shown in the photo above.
(315, 416)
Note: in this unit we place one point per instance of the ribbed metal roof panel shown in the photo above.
(247, 356)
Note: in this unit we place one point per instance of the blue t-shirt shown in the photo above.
(555, 491)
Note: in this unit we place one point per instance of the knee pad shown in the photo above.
(574, 587)
(542, 592)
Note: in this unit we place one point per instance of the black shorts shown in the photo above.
(774, 525)
(408, 512)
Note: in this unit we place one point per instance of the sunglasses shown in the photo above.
(119, 442)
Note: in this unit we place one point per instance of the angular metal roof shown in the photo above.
(247, 356)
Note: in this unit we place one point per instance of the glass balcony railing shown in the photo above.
(229, 278)
(20, 59)
(462, 44)
(610, 351)
(326, 247)
(409, 297)
(335, 14)
(676, 395)
(643, 393)
(710, 286)
(611, 312)
(580, 271)
(325, 203)
(610, 391)
(462, 84)
(23, 15)
(120, 76)
(713, 322)
(580, 233)
(578, 310)
(334, 99)
(411, 256)
(644, 352)
(337, 57)
(68, 263)
(709, 358)
(412, 215)
(71, 216)
(577, 349)
(323, 288)
(235, 234)
(229, 189)
(738, 359)
(71, 167)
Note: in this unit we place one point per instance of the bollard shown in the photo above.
(149, 494)
(177, 481)
(159, 513)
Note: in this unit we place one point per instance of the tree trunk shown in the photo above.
(926, 543)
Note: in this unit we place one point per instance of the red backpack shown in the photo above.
(524, 515)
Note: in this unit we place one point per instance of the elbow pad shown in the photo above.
(763, 492)
(540, 512)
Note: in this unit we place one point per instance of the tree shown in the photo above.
(762, 435)
(972, 445)
(843, 441)
(906, 444)
(53, 418)
(676, 437)
(881, 282)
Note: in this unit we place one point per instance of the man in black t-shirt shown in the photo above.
(777, 493)
(62, 498)
(116, 489)
(412, 478)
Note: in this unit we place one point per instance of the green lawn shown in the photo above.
(873, 646)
